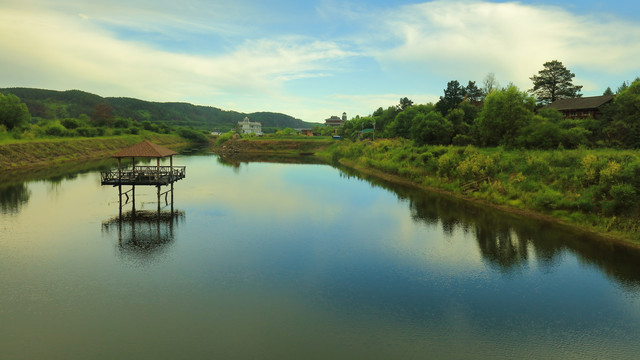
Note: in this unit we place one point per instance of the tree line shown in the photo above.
(16, 122)
(491, 115)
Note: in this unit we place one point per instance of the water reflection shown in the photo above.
(509, 242)
(12, 197)
(142, 235)
(237, 160)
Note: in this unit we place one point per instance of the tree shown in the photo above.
(554, 82)
(102, 114)
(404, 104)
(453, 96)
(431, 128)
(608, 91)
(489, 84)
(626, 119)
(504, 114)
(13, 112)
(474, 94)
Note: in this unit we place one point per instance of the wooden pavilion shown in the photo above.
(157, 175)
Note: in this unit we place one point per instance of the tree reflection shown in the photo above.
(508, 242)
(142, 235)
(12, 197)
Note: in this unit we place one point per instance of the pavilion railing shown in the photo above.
(144, 174)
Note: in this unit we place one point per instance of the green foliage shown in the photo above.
(504, 114)
(554, 82)
(13, 112)
(70, 123)
(286, 132)
(224, 138)
(193, 135)
(453, 96)
(56, 129)
(431, 128)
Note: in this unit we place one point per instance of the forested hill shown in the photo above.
(52, 104)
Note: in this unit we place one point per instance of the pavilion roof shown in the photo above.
(145, 149)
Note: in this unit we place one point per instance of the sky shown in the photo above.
(310, 59)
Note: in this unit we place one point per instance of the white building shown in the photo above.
(248, 127)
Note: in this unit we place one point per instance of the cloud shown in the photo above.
(62, 51)
(468, 39)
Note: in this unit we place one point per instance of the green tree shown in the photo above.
(504, 114)
(431, 128)
(404, 104)
(608, 91)
(453, 95)
(554, 82)
(13, 112)
(627, 116)
(473, 93)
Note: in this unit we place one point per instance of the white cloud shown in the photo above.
(468, 39)
(61, 51)
(239, 58)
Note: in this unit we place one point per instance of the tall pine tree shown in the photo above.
(554, 82)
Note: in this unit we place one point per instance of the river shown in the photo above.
(263, 260)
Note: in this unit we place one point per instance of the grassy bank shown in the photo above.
(21, 155)
(285, 145)
(597, 189)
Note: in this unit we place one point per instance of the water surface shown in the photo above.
(290, 261)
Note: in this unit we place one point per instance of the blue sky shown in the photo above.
(310, 59)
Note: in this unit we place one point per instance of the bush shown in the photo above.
(87, 131)
(224, 138)
(70, 123)
(624, 197)
(56, 129)
(193, 135)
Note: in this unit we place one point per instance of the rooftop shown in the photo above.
(591, 102)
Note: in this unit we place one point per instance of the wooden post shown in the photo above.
(133, 195)
(158, 186)
(171, 173)
(119, 189)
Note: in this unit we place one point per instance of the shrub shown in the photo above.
(624, 197)
(87, 131)
(447, 164)
(224, 138)
(70, 123)
(193, 135)
(55, 129)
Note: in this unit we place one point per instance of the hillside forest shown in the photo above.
(36, 113)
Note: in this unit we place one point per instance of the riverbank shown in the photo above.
(28, 155)
(594, 190)
(299, 146)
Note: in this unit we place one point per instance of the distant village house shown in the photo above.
(336, 121)
(581, 107)
(249, 127)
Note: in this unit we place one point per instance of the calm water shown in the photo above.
(292, 261)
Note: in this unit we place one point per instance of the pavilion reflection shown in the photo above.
(143, 234)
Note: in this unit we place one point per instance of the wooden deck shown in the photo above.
(144, 175)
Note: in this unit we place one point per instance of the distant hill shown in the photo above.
(52, 104)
